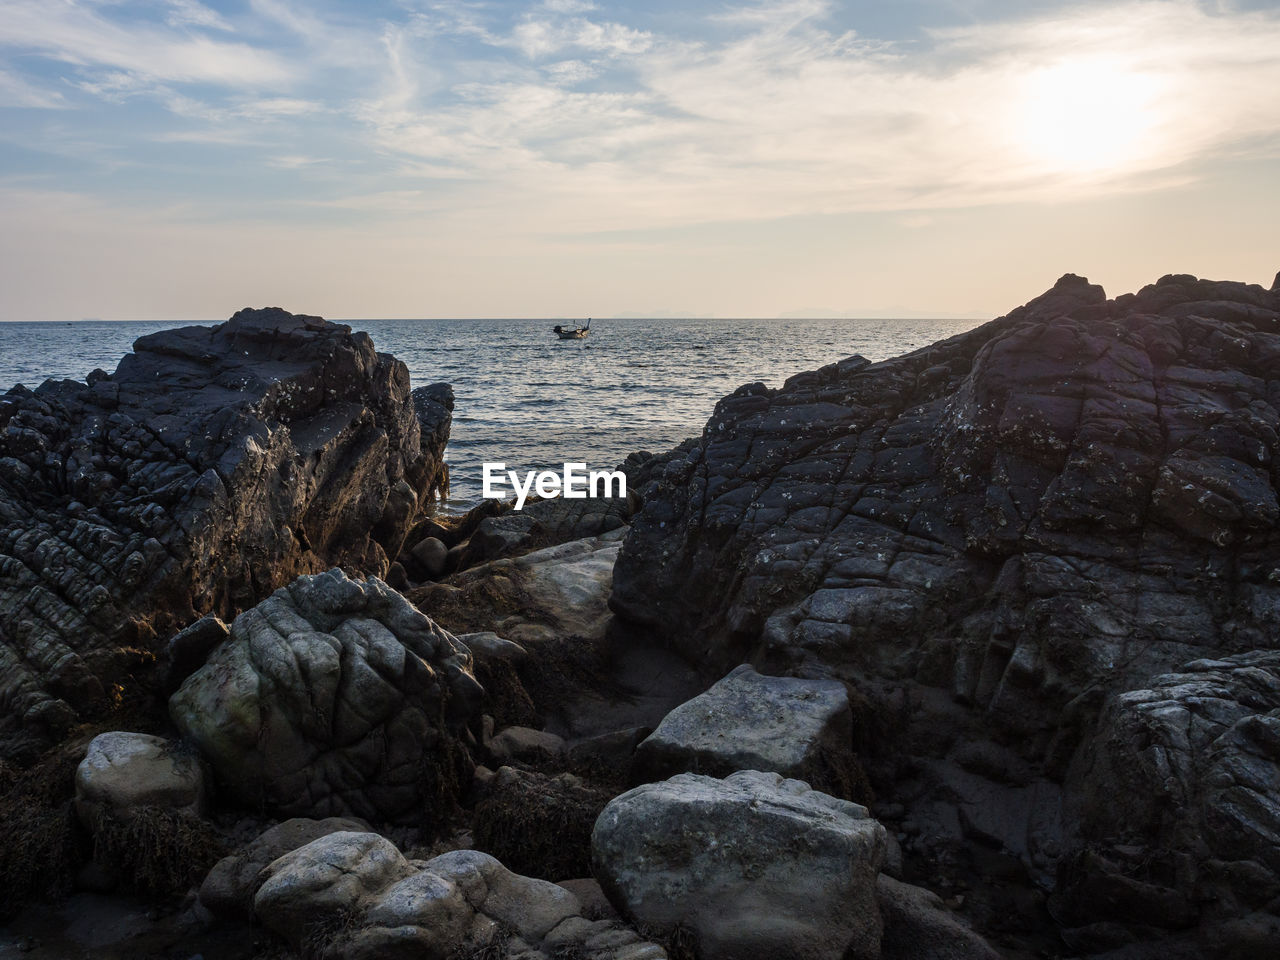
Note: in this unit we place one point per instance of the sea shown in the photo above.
(532, 401)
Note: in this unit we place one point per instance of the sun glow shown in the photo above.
(1089, 116)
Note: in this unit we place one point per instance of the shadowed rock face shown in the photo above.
(1080, 492)
(991, 536)
(213, 466)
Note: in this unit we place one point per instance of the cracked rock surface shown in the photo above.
(214, 465)
(993, 538)
(373, 903)
(334, 697)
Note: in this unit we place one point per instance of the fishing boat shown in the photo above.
(576, 333)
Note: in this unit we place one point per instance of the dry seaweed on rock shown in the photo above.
(537, 825)
(158, 851)
(44, 844)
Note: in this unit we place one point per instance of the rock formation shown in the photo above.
(213, 466)
(752, 865)
(354, 896)
(334, 698)
(800, 728)
(992, 539)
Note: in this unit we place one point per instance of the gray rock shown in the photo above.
(328, 879)
(229, 888)
(122, 771)
(992, 538)
(559, 591)
(917, 926)
(374, 904)
(545, 523)
(752, 865)
(330, 698)
(214, 465)
(488, 645)
(431, 554)
(800, 728)
(524, 743)
(1175, 800)
(595, 905)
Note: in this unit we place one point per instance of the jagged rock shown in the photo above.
(917, 926)
(987, 538)
(229, 888)
(800, 728)
(214, 465)
(545, 523)
(560, 591)
(1175, 803)
(188, 649)
(752, 865)
(333, 697)
(122, 771)
(372, 903)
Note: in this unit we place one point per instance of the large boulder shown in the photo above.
(1176, 804)
(354, 896)
(989, 539)
(334, 697)
(123, 771)
(754, 865)
(229, 888)
(800, 728)
(214, 465)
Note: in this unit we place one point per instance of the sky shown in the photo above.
(173, 159)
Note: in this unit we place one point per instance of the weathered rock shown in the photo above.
(1175, 803)
(800, 728)
(122, 771)
(752, 865)
(213, 466)
(524, 743)
(917, 926)
(372, 903)
(334, 697)
(431, 554)
(488, 645)
(229, 888)
(545, 523)
(559, 591)
(989, 539)
(188, 649)
(330, 877)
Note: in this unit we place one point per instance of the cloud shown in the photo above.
(543, 38)
(78, 34)
(555, 116)
(18, 92)
(784, 117)
(191, 13)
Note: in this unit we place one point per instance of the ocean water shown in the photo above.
(531, 401)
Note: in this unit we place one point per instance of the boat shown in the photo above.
(577, 333)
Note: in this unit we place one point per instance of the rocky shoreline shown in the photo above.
(965, 654)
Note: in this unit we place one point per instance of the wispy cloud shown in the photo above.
(785, 116)
(15, 91)
(557, 112)
(80, 34)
